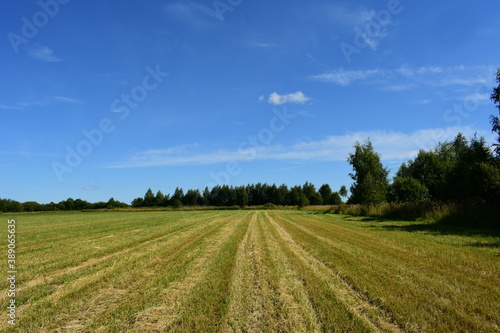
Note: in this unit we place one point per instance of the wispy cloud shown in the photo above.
(393, 146)
(263, 45)
(10, 107)
(44, 53)
(346, 77)
(405, 77)
(68, 100)
(479, 98)
(297, 97)
(191, 12)
(91, 188)
(423, 101)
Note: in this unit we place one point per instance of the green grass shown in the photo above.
(273, 270)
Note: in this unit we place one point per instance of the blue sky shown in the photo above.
(104, 99)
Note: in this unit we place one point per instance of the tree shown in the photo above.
(370, 176)
(431, 168)
(303, 201)
(149, 198)
(138, 202)
(407, 189)
(282, 197)
(458, 171)
(335, 199)
(326, 192)
(206, 196)
(312, 196)
(295, 195)
(112, 203)
(495, 121)
(159, 199)
(241, 196)
(343, 191)
(193, 198)
(177, 197)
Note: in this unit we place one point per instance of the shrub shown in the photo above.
(269, 205)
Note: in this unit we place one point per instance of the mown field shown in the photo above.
(248, 271)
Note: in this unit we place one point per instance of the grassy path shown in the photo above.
(248, 271)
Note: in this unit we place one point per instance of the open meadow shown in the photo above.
(248, 271)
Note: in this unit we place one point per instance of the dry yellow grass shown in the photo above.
(249, 271)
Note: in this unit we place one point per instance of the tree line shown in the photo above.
(458, 171)
(250, 195)
(219, 196)
(461, 171)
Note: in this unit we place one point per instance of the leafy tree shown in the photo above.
(370, 176)
(159, 198)
(225, 196)
(282, 196)
(178, 196)
(312, 196)
(112, 203)
(335, 199)
(241, 196)
(10, 206)
(431, 168)
(495, 121)
(206, 196)
(343, 191)
(149, 198)
(326, 192)
(295, 195)
(138, 202)
(407, 189)
(193, 198)
(82, 204)
(457, 171)
(303, 201)
(31, 206)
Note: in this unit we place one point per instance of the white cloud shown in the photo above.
(296, 97)
(68, 100)
(91, 188)
(190, 12)
(409, 71)
(44, 53)
(393, 146)
(345, 78)
(423, 101)
(478, 98)
(10, 107)
(406, 76)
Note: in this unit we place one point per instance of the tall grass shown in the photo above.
(463, 214)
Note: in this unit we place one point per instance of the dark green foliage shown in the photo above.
(370, 176)
(269, 205)
(138, 202)
(343, 191)
(328, 197)
(193, 198)
(303, 201)
(10, 206)
(456, 171)
(335, 199)
(149, 199)
(178, 196)
(407, 189)
(326, 192)
(241, 196)
(495, 121)
(311, 194)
